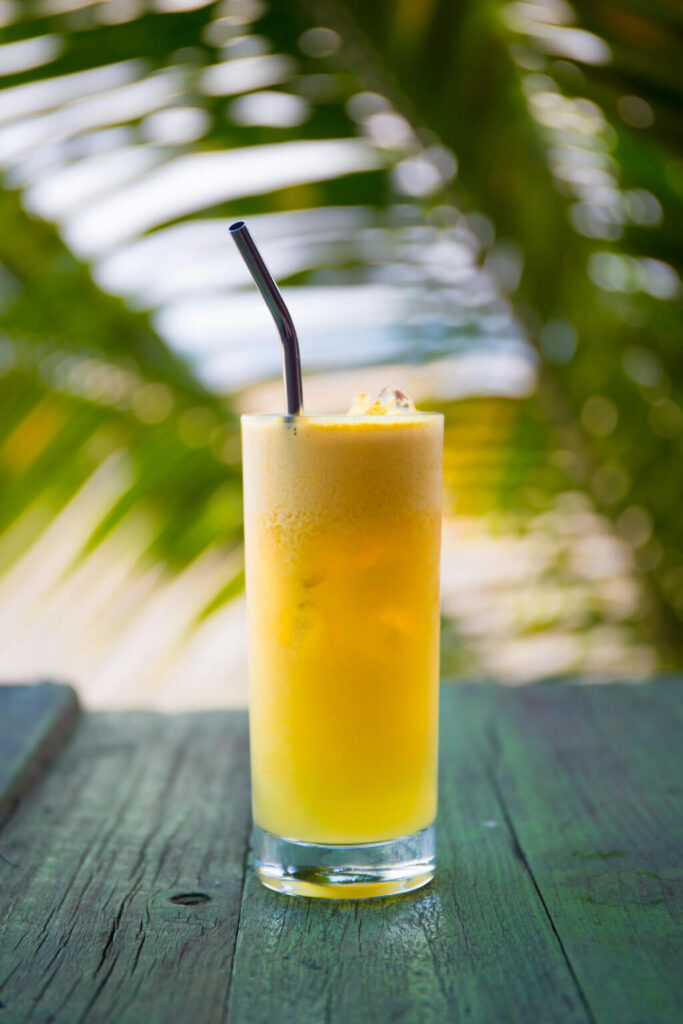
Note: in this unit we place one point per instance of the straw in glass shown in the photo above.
(276, 304)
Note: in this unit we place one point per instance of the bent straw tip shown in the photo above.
(270, 292)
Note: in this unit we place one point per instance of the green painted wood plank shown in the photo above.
(475, 946)
(560, 838)
(124, 901)
(35, 721)
(592, 778)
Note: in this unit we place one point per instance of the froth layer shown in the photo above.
(339, 467)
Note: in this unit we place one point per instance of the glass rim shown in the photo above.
(344, 417)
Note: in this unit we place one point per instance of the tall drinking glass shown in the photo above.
(343, 525)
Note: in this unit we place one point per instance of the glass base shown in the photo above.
(345, 872)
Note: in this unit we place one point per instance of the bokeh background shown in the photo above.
(480, 202)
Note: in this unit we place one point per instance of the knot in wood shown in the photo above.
(189, 899)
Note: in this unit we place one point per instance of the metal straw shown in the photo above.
(276, 304)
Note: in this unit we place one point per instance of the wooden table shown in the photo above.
(126, 895)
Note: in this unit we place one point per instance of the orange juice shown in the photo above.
(342, 527)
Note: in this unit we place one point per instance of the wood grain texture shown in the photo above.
(476, 945)
(35, 721)
(592, 781)
(557, 897)
(124, 901)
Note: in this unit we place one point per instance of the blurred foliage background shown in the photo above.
(481, 202)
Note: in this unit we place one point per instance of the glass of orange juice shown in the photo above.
(342, 526)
